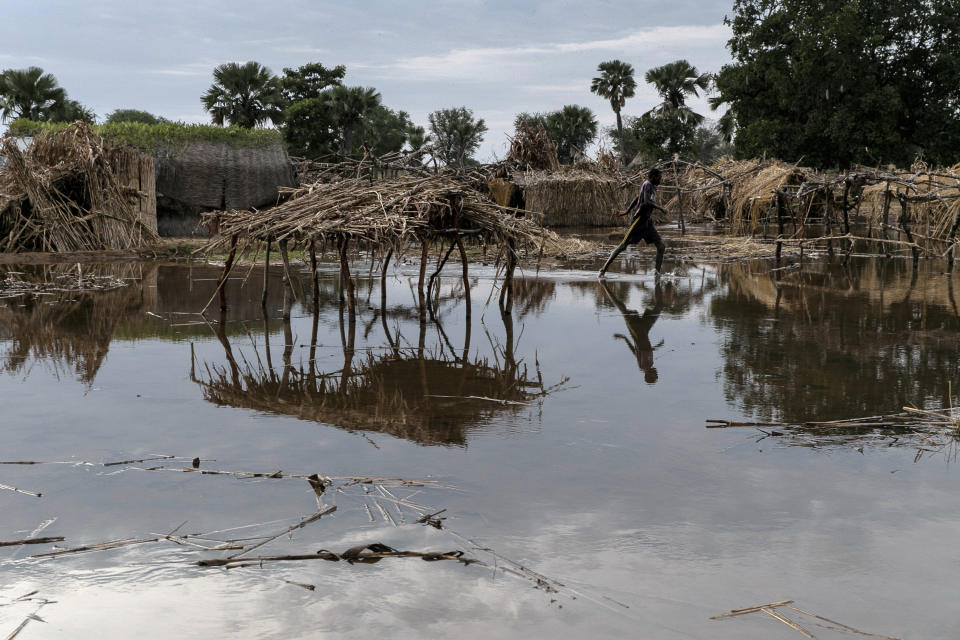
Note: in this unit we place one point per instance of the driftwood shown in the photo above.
(771, 610)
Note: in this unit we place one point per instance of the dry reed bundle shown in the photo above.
(62, 194)
(531, 147)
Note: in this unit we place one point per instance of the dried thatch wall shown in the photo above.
(206, 176)
(574, 198)
(137, 170)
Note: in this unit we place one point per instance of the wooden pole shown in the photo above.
(383, 281)
(314, 280)
(779, 225)
(676, 181)
(466, 275)
(266, 278)
(424, 256)
(345, 274)
(885, 216)
(222, 281)
(905, 225)
(287, 284)
(506, 293)
(845, 205)
(827, 212)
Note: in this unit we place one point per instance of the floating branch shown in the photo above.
(368, 554)
(771, 610)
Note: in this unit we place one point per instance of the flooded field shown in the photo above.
(551, 475)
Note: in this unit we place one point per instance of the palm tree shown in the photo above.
(349, 105)
(246, 95)
(572, 129)
(616, 84)
(29, 93)
(674, 82)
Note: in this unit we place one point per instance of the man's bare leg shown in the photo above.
(613, 256)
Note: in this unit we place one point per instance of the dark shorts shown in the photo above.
(642, 231)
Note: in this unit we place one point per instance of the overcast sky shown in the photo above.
(496, 57)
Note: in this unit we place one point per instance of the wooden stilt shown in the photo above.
(885, 216)
(314, 280)
(466, 275)
(424, 255)
(266, 278)
(905, 225)
(287, 283)
(827, 212)
(222, 281)
(345, 274)
(383, 280)
(779, 225)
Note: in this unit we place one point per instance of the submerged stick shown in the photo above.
(35, 494)
(14, 543)
(740, 612)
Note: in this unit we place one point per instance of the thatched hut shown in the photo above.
(207, 176)
(574, 197)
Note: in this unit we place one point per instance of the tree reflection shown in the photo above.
(835, 342)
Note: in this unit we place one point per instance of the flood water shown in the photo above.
(567, 446)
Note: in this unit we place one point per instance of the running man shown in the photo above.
(641, 225)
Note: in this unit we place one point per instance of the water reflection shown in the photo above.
(830, 342)
(429, 396)
(69, 329)
(638, 326)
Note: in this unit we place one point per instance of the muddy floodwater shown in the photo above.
(565, 450)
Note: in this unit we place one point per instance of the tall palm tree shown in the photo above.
(616, 84)
(349, 105)
(674, 82)
(29, 93)
(246, 95)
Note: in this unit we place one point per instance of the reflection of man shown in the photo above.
(639, 327)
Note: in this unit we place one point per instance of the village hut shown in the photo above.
(205, 176)
(68, 192)
(574, 196)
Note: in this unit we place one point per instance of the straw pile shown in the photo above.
(532, 148)
(934, 198)
(390, 212)
(62, 194)
(574, 197)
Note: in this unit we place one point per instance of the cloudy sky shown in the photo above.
(496, 57)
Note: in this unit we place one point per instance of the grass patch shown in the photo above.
(152, 137)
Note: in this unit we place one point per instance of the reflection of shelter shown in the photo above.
(67, 326)
(429, 398)
(639, 325)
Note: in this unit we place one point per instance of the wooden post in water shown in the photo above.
(222, 281)
(905, 225)
(827, 212)
(885, 216)
(266, 278)
(314, 281)
(952, 237)
(506, 293)
(845, 205)
(779, 224)
(287, 283)
(466, 275)
(383, 282)
(424, 256)
(676, 181)
(345, 274)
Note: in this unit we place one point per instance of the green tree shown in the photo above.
(615, 83)
(571, 129)
(349, 108)
(29, 93)
(417, 137)
(246, 95)
(456, 134)
(842, 81)
(674, 82)
(70, 111)
(309, 81)
(133, 115)
(309, 128)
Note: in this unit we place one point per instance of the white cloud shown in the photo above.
(483, 63)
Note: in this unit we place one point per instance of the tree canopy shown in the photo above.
(842, 82)
(456, 134)
(246, 95)
(34, 95)
(133, 115)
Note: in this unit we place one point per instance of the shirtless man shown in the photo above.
(641, 225)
